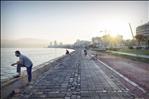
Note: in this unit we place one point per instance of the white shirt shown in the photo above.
(25, 60)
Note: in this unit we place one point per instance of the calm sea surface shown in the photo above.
(37, 55)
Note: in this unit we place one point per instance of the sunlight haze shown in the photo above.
(67, 21)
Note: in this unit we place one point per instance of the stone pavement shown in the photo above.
(76, 77)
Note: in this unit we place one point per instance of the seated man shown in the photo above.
(24, 61)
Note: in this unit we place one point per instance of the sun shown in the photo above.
(118, 27)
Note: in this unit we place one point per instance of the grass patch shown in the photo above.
(145, 60)
(135, 51)
(98, 50)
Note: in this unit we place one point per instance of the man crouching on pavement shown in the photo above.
(24, 61)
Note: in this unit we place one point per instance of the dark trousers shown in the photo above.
(28, 69)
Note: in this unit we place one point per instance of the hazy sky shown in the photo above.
(67, 21)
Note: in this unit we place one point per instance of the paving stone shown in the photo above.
(56, 95)
(73, 97)
(67, 98)
(76, 77)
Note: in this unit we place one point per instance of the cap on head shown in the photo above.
(17, 52)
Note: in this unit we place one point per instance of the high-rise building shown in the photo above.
(143, 30)
(142, 33)
(55, 43)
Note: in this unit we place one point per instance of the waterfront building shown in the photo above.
(97, 42)
(142, 35)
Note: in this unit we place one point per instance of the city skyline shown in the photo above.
(67, 21)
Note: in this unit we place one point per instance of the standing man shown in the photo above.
(24, 61)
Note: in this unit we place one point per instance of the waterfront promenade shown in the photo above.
(79, 77)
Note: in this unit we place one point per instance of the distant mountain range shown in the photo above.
(24, 43)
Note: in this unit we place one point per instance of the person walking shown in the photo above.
(24, 61)
(85, 52)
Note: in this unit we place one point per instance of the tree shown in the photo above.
(139, 38)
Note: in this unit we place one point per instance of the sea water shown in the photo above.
(37, 55)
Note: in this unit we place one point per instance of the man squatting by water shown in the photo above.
(67, 52)
(24, 61)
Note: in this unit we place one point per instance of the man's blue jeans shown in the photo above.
(28, 69)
